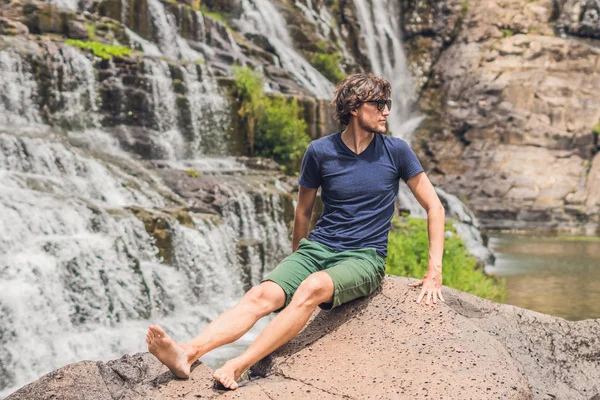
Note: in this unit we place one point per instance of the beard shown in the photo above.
(375, 127)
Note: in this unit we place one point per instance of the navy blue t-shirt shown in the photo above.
(357, 190)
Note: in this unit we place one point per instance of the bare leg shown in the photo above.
(316, 289)
(228, 327)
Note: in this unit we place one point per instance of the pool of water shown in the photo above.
(554, 275)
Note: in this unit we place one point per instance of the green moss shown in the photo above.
(273, 126)
(91, 29)
(327, 62)
(215, 15)
(507, 32)
(408, 255)
(464, 7)
(105, 51)
(193, 173)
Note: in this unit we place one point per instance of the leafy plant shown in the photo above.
(273, 126)
(105, 51)
(280, 134)
(408, 255)
(328, 63)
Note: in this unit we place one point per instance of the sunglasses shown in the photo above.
(381, 104)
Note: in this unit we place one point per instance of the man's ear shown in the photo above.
(354, 112)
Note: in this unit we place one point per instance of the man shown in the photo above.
(358, 170)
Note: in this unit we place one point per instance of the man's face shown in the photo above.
(370, 118)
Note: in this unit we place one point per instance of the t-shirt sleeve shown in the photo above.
(310, 174)
(407, 162)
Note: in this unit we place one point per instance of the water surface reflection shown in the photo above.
(554, 275)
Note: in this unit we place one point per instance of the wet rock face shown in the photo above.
(382, 347)
(579, 17)
(511, 111)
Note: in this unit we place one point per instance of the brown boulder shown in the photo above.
(382, 347)
(12, 28)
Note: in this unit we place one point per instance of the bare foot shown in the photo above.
(228, 374)
(168, 351)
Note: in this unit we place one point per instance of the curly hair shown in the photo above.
(354, 90)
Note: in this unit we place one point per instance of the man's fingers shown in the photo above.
(421, 295)
(428, 297)
(435, 296)
(442, 297)
(417, 283)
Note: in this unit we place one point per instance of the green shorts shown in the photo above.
(355, 273)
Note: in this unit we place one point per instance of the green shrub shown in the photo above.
(281, 134)
(408, 255)
(273, 126)
(105, 51)
(327, 63)
(507, 32)
(464, 7)
(596, 129)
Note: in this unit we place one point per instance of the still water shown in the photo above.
(554, 275)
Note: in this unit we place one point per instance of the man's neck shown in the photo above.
(356, 138)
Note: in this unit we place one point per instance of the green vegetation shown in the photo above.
(464, 7)
(328, 63)
(596, 129)
(408, 251)
(193, 173)
(105, 51)
(215, 15)
(91, 30)
(507, 32)
(273, 126)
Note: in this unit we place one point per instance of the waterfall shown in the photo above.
(169, 41)
(261, 17)
(380, 30)
(82, 273)
(164, 108)
(467, 226)
(18, 92)
(80, 276)
(72, 5)
(74, 85)
(148, 48)
(209, 112)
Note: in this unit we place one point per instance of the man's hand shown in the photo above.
(432, 285)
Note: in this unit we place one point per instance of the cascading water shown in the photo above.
(169, 41)
(81, 274)
(208, 111)
(74, 83)
(261, 17)
(139, 43)
(18, 91)
(381, 32)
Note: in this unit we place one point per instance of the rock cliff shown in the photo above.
(512, 107)
(382, 347)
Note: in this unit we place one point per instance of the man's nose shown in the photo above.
(386, 110)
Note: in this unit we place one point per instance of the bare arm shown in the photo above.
(428, 199)
(306, 201)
